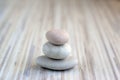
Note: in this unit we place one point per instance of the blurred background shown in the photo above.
(93, 25)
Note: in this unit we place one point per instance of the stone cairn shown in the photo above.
(56, 51)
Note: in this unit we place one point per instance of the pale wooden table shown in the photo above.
(93, 25)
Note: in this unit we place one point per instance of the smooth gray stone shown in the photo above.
(56, 52)
(53, 64)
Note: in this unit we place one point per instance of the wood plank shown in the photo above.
(94, 31)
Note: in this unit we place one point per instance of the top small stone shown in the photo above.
(57, 36)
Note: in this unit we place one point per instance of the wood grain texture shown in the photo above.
(94, 28)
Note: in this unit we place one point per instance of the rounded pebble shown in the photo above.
(57, 36)
(53, 64)
(56, 52)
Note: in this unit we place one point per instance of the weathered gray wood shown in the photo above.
(94, 31)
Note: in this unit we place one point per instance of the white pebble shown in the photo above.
(56, 52)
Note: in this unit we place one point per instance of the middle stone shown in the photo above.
(56, 52)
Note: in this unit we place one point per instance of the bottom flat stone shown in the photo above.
(54, 64)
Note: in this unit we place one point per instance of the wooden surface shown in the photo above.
(94, 28)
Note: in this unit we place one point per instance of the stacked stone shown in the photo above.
(56, 51)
